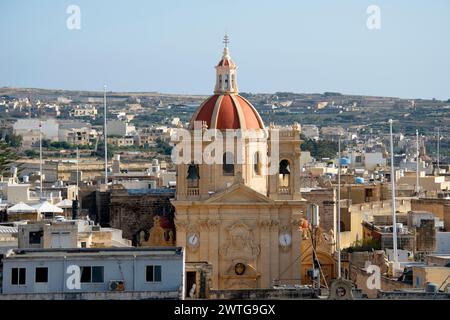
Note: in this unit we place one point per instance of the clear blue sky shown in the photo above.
(172, 46)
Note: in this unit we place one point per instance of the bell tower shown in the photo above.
(226, 72)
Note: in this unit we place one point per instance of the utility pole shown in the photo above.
(40, 160)
(105, 135)
(314, 219)
(417, 163)
(394, 222)
(438, 143)
(338, 226)
(78, 169)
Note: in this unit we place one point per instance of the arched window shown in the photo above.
(228, 164)
(226, 82)
(256, 163)
(193, 177)
(284, 173)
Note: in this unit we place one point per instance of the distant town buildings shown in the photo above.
(159, 229)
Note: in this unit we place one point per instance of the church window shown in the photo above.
(284, 173)
(256, 163)
(228, 164)
(193, 176)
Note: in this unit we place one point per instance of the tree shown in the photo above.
(321, 148)
(7, 156)
(31, 153)
(163, 147)
(61, 145)
(13, 140)
(364, 245)
(101, 150)
(45, 143)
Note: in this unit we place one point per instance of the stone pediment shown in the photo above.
(239, 194)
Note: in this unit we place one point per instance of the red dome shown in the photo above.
(227, 111)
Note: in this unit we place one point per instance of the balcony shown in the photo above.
(284, 190)
(193, 191)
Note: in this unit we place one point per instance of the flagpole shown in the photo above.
(339, 209)
(417, 162)
(105, 135)
(77, 169)
(438, 142)
(40, 158)
(394, 222)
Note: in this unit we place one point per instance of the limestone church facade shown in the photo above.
(233, 216)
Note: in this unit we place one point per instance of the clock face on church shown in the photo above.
(285, 239)
(193, 239)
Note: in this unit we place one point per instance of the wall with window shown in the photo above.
(48, 275)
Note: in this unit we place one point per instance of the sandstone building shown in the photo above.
(234, 216)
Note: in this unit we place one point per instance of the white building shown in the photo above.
(120, 128)
(84, 111)
(373, 159)
(310, 131)
(29, 130)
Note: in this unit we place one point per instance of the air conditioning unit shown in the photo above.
(116, 285)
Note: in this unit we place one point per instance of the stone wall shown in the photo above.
(439, 207)
(325, 198)
(382, 207)
(434, 274)
(360, 276)
(133, 213)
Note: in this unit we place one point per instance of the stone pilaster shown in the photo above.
(264, 225)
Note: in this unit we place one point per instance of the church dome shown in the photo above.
(226, 109)
(225, 62)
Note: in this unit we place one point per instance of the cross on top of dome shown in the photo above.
(226, 109)
(226, 40)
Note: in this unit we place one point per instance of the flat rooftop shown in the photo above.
(94, 252)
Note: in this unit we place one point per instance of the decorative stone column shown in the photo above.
(264, 225)
(213, 242)
(274, 249)
(296, 243)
